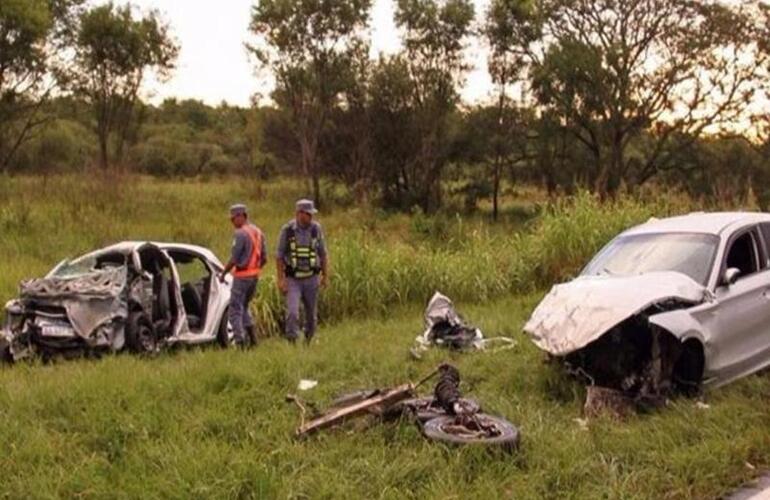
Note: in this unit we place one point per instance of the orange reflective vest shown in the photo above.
(253, 268)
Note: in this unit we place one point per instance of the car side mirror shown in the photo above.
(730, 276)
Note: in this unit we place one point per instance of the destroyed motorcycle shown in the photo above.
(446, 416)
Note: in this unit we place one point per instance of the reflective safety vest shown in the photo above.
(302, 260)
(253, 268)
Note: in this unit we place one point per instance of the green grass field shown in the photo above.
(213, 423)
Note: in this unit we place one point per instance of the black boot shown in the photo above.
(251, 337)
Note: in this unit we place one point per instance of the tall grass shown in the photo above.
(379, 261)
(476, 264)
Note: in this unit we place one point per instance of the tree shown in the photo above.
(347, 142)
(496, 137)
(114, 53)
(505, 68)
(415, 100)
(307, 45)
(32, 33)
(618, 72)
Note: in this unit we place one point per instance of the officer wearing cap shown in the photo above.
(248, 257)
(303, 267)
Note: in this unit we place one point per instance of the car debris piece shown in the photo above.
(606, 401)
(479, 429)
(453, 419)
(339, 415)
(424, 409)
(126, 296)
(306, 385)
(666, 306)
(463, 424)
(445, 327)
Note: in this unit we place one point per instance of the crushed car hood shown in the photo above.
(90, 299)
(575, 314)
(97, 284)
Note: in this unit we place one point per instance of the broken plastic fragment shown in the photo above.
(306, 385)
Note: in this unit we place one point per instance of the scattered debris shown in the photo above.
(424, 409)
(306, 385)
(446, 328)
(447, 416)
(336, 416)
(606, 401)
(463, 424)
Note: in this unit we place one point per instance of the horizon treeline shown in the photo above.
(603, 95)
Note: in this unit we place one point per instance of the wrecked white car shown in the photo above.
(670, 304)
(138, 296)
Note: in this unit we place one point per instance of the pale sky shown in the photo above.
(213, 65)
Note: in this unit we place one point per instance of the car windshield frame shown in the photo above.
(590, 268)
(85, 264)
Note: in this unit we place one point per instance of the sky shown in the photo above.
(213, 64)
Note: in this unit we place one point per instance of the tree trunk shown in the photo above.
(496, 189)
(103, 150)
(316, 187)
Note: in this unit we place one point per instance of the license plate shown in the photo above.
(62, 330)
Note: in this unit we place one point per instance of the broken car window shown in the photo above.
(688, 253)
(90, 263)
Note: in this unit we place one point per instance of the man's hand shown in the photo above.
(283, 286)
(324, 281)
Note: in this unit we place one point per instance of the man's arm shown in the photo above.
(229, 267)
(325, 271)
(239, 246)
(280, 262)
(323, 255)
(263, 251)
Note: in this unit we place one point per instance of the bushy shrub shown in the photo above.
(61, 146)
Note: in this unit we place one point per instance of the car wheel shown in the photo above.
(479, 429)
(140, 334)
(688, 370)
(223, 334)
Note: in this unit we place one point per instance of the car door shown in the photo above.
(215, 296)
(740, 317)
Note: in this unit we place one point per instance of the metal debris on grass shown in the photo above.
(444, 327)
(454, 419)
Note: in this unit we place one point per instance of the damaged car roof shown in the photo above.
(127, 247)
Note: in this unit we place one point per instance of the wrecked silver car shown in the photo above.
(670, 304)
(138, 296)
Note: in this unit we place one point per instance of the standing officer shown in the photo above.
(303, 266)
(248, 257)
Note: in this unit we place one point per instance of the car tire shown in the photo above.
(140, 334)
(507, 439)
(223, 337)
(688, 370)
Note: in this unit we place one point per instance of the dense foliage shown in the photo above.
(605, 96)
